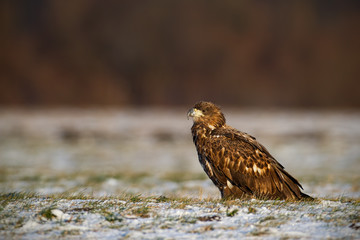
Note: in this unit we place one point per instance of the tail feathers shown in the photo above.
(304, 196)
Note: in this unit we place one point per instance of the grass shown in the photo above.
(113, 217)
(47, 212)
(118, 211)
(5, 198)
(72, 168)
(231, 213)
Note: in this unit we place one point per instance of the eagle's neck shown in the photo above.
(201, 132)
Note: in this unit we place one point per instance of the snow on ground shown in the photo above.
(104, 156)
(162, 218)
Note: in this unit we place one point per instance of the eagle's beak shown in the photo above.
(195, 113)
(191, 113)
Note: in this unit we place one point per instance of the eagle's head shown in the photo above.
(208, 114)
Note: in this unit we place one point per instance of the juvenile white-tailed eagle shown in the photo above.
(236, 163)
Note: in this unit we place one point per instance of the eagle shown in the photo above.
(238, 165)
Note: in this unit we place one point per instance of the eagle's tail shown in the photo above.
(306, 197)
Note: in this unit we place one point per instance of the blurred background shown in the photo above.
(94, 94)
(165, 53)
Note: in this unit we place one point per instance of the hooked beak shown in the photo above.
(194, 113)
(191, 113)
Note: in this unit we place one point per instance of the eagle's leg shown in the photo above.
(232, 193)
(226, 193)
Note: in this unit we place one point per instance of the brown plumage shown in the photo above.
(236, 163)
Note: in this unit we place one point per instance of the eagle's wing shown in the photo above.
(237, 159)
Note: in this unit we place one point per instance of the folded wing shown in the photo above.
(244, 167)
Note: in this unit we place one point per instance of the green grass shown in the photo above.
(113, 217)
(231, 213)
(46, 212)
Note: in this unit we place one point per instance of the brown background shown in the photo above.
(146, 53)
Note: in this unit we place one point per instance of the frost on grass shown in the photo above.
(133, 216)
(125, 174)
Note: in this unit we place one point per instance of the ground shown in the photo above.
(135, 174)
